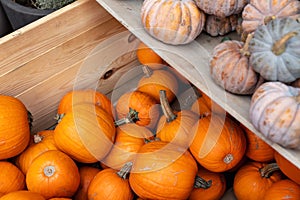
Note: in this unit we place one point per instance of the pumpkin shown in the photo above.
(215, 26)
(12, 179)
(111, 184)
(60, 199)
(253, 180)
(137, 107)
(15, 130)
(87, 174)
(175, 126)
(43, 141)
(22, 195)
(274, 111)
(283, 189)
(287, 167)
(219, 143)
(223, 8)
(129, 139)
(86, 134)
(163, 170)
(155, 80)
(172, 21)
(275, 51)
(259, 12)
(146, 56)
(53, 174)
(230, 68)
(208, 185)
(257, 149)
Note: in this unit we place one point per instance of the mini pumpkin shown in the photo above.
(215, 26)
(172, 21)
(274, 111)
(283, 189)
(22, 195)
(148, 57)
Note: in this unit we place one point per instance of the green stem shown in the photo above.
(166, 108)
(201, 183)
(124, 171)
(280, 45)
(267, 170)
(132, 117)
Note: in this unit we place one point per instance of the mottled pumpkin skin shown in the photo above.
(221, 8)
(215, 26)
(172, 21)
(283, 189)
(275, 112)
(257, 12)
(230, 68)
(283, 67)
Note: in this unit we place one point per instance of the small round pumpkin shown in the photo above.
(53, 174)
(274, 111)
(12, 179)
(148, 57)
(274, 50)
(15, 130)
(60, 198)
(283, 189)
(215, 26)
(22, 195)
(172, 21)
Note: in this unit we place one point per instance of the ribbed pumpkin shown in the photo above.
(146, 56)
(275, 112)
(163, 171)
(208, 185)
(215, 26)
(275, 51)
(53, 174)
(60, 199)
(11, 178)
(257, 149)
(223, 8)
(86, 134)
(129, 139)
(287, 167)
(137, 107)
(283, 189)
(15, 131)
(219, 143)
(155, 80)
(253, 179)
(172, 21)
(42, 141)
(230, 68)
(259, 12)
(22, 195)
(111, 184)
(87, 174)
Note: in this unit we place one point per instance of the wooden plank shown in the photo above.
(192, 62)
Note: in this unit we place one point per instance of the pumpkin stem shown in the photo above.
(58, 117)
(267, 170)
(280, 45)
(49, 171)
(37, 138)
(124, 171)
(151, 140)
(201, 183)
(228, 158)
(147, 71)
(132, 117)
(166, 108)
(268, 19)
(245, 50)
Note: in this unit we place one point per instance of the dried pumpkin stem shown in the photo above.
(268, 19)
(201, 183)
(147, 71)
(166, 108)
(132, 117)
(280, 45)
(267, 170)
(58, 117)
(37, 138)
(124, 171)
(245, 50)
(49, 171)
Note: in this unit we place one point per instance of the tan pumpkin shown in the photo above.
(215, 26)
(11, 178)
(283, 189)
(274, 111)
(86, 134)
(22, 195)
(172, 21)
(15, 130)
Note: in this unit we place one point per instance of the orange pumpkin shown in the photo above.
(86, 134)
(111, 184)
(11, 178)
(148, 57)
(22, 195)
(283, 189)
(257, 149)
(287, 167)
(219, 143)
(208, 185)
(253, 180)
(15, 131)
(60, 199)
(87, 174)
(163, 170)
(43, 141)
(53, 174)
(129, 139)
(137, 107)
